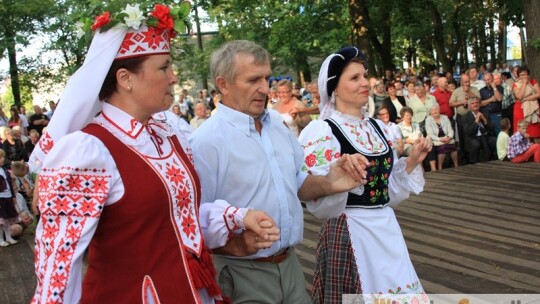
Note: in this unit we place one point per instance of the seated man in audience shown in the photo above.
(520, 148)
(478, 133)
(200, 115)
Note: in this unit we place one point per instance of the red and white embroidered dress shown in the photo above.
(149, 247)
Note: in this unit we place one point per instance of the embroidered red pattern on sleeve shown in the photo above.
(69, 199)
(46, 142)
(230, 221)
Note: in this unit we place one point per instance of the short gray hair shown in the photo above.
(434, 106)
(222, 63)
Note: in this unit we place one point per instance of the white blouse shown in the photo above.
(80, 164)
(321, 149)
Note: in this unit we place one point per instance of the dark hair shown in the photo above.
(15, 117)
(109, 84)
(389, 84)
(383, 108)
(524, 68)
(337, 64)
(406, 110)
(505, 124)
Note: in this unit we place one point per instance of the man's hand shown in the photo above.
(261, 232)
(481, 117)
(263, 226)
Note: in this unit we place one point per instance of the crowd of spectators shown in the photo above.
(19, 133)
(463, 113)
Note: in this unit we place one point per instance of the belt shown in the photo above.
(274, 259)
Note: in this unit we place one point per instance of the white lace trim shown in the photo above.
(414, 181)
(349, 118)
(162, 129)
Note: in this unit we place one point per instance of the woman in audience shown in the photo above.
(15, 119)
(286, 103)
(440, 131)
(527, 92)
(393, 134)
(379, 95)
(420, 104)
(13, 147)
(410, 131)
(410, 92)
(393, 103)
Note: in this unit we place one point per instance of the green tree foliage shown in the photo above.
(19, 21)
(298, 33)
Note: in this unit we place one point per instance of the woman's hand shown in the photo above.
(419, 151)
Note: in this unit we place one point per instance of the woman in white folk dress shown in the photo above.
(361, 249)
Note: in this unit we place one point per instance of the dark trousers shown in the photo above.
(484, 142)
(461, 138)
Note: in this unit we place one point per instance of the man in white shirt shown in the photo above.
(475, 81)
(200, 115)
(246, 157)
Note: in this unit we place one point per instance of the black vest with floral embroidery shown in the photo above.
(376, 190)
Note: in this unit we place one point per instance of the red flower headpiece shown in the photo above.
(146, 35)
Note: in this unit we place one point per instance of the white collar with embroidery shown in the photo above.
(361, 133)
(128, 129)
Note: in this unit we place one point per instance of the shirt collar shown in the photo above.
(122, 120)
(241, 121)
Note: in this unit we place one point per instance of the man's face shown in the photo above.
(473, 74)
(314, 92)
(34, 138)
(488, 79)
(465, 82)
(474, 105)
(247, 92)
(200, 110)
(434, 80)
(37, 109)
(442, 83)
(497, 79)
(383, 115)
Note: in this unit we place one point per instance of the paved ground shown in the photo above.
(475, 229)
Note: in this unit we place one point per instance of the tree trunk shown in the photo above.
(303, 72)
(532, 24)
(492, 52)
(359, 37)
(13, 69)
(443, 55)
(482, 44)
(204, 77)
(361, 23)
(501, 55)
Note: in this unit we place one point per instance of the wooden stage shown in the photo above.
(475, 229)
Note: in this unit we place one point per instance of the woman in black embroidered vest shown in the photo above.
(361, 248)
